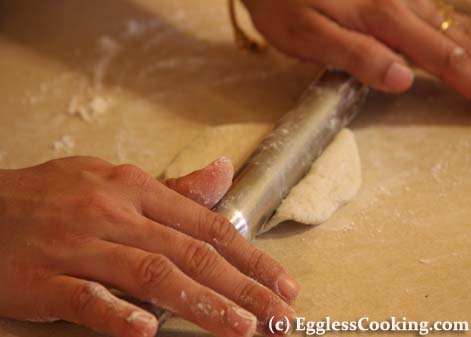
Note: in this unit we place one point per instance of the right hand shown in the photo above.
(70, 226)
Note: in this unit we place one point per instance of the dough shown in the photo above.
(333, 180)
(234, 141)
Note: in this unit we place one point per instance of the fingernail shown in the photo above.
(398, 77)
(459, 52)
(287, 287)
(144, 323)
(222, 160)
(221, 163)
(241, 321)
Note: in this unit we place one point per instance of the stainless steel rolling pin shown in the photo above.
(288, 152)
(286, 155)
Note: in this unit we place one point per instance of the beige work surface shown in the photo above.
(156, 74)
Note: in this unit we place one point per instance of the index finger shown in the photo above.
(172, 209)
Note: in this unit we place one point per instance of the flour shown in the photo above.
(90, 103)
(140, 317)
(183, 295)
(434, 259)
(137, 28)
(64, 145)
(89, 110)
(50, 89)
(438, 170)
(109, 49)
(134, 28)
(205, 308)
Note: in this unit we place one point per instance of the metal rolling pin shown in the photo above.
(288, 152)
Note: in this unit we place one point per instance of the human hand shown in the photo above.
(368, 37)
(69, 227)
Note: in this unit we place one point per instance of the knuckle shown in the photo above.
(423, 4)
(247, 292)
(83, 297)
(262, 268)
(389, 8)
(200, 258)
(252, 295)
(304, 26)
(358, 53)
(255, 262)
(221, 231)
(130, 174)
(154, 270)
(377, 13)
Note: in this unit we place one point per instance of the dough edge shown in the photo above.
(333, 180)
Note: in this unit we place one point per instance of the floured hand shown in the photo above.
(71, 226)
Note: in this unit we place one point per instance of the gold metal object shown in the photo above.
(446, 11)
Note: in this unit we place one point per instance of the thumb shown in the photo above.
(206, 186)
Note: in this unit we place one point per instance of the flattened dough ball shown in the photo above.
(333, 180)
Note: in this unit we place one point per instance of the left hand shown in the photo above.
(72, 225)
(368, 38)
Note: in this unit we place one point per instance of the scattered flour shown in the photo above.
(135, 28)
(204, 308)
(109, 48)
(50, 89)
(431, 260)
(438, 170)
(183, 295)
(91, 110)
(64, 145)
(140, 317)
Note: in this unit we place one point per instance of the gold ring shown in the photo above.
(446, 24)
(446, 11)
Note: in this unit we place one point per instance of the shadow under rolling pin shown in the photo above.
(287, 153)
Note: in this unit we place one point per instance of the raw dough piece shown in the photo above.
(234, 141)
(333, 180)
